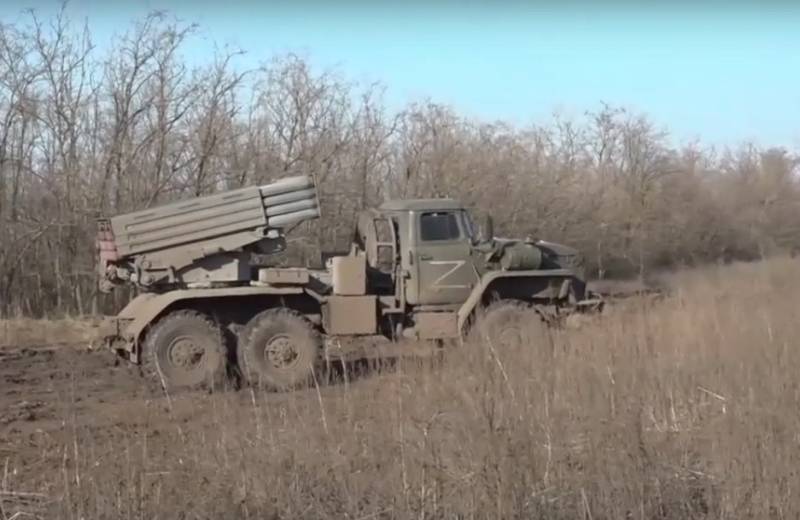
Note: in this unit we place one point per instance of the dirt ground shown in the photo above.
(52, 394)
(42, 386)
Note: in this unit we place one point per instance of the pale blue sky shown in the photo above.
(723, 72)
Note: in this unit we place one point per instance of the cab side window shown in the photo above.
(438, 226)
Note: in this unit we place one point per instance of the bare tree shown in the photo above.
(84, 132)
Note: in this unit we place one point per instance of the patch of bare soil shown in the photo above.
(52, 395)
(47, 393)
(43, 386)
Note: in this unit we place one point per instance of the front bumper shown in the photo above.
(108, 333)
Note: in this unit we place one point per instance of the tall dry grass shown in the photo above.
(683, 408)
(23, 332)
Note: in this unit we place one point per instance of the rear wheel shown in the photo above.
(278, 350)
(186, 350)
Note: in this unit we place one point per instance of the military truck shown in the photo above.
(212, 293)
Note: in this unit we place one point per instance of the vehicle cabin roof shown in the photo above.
(420, 204)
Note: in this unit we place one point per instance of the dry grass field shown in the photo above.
(686, 407)
(25, 332)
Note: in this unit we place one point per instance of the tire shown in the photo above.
(506, 324)
(186, 350)
(278, 350)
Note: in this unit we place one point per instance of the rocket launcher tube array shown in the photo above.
(289, 201)
(276, 205)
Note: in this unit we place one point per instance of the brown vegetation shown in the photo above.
(684, 407)
(86, 132)
(25, 332)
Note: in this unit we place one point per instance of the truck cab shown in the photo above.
(437, 257)
(427, 247)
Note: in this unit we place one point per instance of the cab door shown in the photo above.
(442, 261)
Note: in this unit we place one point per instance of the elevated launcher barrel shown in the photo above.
(215, 238)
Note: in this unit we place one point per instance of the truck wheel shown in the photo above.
(278, 350)
(186, 350)
(505, 324)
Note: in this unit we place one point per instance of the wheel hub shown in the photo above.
(280, 351)
(185, 353)
(509, 336)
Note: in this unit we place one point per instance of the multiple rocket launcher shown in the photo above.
(172, 238)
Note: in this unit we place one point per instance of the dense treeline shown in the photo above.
(85, 132)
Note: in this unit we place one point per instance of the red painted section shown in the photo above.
(106, 245)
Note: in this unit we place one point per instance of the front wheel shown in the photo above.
(278, 350)
(506, 324)
(186, 350)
